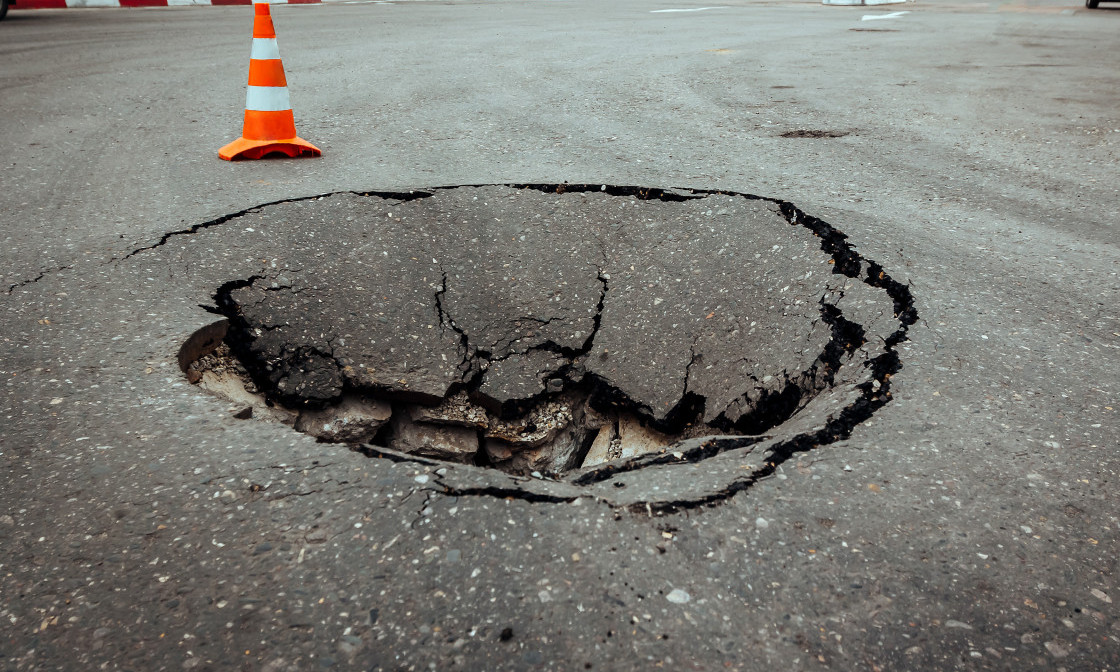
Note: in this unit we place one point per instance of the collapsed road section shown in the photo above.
(648, 347)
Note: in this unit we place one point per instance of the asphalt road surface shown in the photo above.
(968, 151)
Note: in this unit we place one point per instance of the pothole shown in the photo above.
(644, 346)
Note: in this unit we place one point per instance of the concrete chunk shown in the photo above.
(454, 444)
(637, 440)
(356, 419)
(605, 447)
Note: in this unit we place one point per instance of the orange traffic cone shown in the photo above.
(269, 124)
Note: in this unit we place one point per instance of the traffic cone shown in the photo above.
(269, 124)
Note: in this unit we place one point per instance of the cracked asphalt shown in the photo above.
(715, 326)
(967, 152)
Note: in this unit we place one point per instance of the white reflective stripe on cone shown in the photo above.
(267, 99)
(264, 48)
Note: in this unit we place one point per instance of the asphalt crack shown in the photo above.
(42, 274)
(846, 337)
(224, 219)
(475, 360)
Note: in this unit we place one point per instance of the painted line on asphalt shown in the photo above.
(697, 9)
(892, 15)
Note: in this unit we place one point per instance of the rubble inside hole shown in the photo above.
(559, 433)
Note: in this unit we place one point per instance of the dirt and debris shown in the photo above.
(554, 436)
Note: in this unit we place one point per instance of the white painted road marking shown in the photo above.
(892, 15)
(698, 9)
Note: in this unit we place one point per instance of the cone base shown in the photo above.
(254, 149)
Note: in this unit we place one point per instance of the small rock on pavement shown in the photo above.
(1056, 649)
(678, 596)
(349, 645)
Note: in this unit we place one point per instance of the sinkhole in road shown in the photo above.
(573, 334)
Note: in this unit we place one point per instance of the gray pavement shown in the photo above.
(966, 150)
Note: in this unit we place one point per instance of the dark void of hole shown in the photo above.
(577, 331)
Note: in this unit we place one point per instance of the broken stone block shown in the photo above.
(563, 452)
(605, 447)
(638, 440)
(555, 457)
(498, 451)
(455, 410)
(444, 442)
(356, 419)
